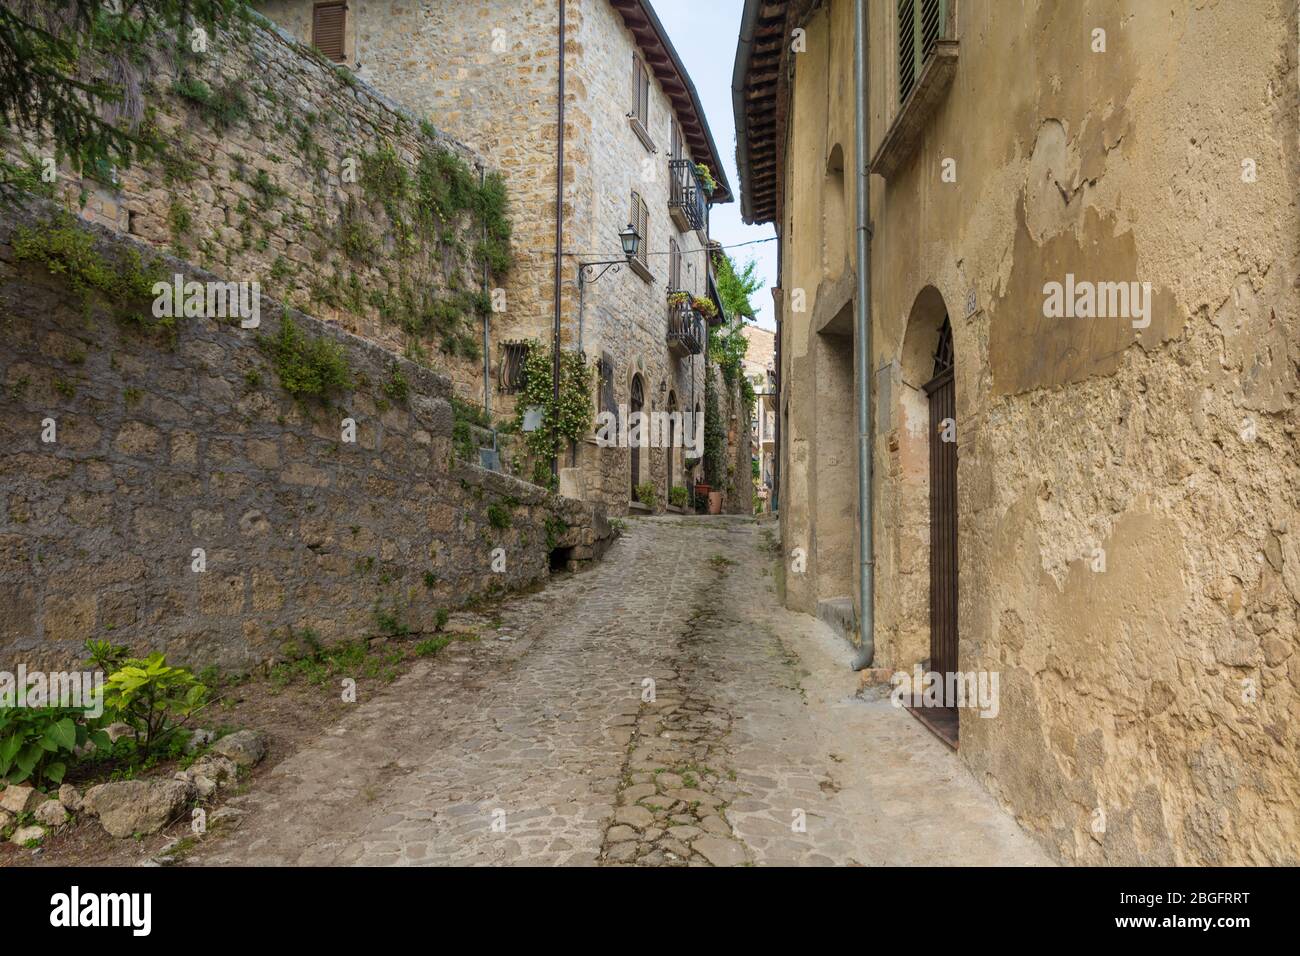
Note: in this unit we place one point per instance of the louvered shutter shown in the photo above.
(327, 25)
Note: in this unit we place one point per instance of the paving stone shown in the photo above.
(638, 817)
(759, 695)
(720, 852)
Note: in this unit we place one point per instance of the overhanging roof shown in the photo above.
(758, 97)
(639, 17)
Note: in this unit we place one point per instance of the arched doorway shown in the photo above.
(927, 503)
(674, 427)
(636, 405)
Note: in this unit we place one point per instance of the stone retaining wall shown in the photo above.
(168, 443)
(276, 165)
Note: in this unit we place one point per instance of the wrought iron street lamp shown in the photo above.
(587, 274)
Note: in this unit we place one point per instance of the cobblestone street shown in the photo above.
(534, 745)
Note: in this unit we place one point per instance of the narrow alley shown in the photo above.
(536, 747)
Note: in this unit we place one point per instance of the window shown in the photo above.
(640, 218)
(920, 25)
(675, 149)
(674, 265)
(327, 25)
(640, 92)
(606, 397)
(511, 370)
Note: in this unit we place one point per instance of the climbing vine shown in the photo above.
(569, 419)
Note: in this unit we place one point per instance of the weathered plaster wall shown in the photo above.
(1161, 691)
(163, 447)
(269, 196)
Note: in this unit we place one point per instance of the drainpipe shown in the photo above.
(559, 247)
(862, 343)
(487, 318)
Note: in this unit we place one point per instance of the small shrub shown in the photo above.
(150, 696)
(499, 516)
(677, 496)
(307, 366)
(397, 388)
(647, 495)
(38, 743)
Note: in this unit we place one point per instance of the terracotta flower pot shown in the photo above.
(715, 502)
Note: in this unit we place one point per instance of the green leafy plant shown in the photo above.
(677, 496)
(153, 698)
(105, 655)
(499, 516)
(647, 495)
(706, 178)
(38, 743)
(568, 419)
(307, 366)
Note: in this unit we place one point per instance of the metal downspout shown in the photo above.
(487, 319)
(862, 345)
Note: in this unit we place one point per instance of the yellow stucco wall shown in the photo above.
(1156, 698)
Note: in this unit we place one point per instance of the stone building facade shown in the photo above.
(1125, 553)
(488, 70)
(274, 165)
(760, 369)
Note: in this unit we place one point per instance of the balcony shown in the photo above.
(688, 203)
(685, 331)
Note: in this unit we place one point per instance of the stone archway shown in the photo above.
(927, 498)
(636, 404)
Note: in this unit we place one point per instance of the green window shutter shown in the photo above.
(921, 24)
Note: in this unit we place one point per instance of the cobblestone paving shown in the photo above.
(660, 709)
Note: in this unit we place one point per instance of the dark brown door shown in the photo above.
(943, 512)
(635, 405)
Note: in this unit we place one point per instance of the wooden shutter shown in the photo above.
(640, 91)
(641, 222)
(675, 151)
(920, 25)
(674, 265)
(906, 47)
(327, 26)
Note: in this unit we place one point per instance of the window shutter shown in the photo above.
(920, 25)
(644, 229)
(906, 43)
(327, 23)
(674, 265)
(931, 26)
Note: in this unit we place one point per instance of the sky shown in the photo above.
(705, 33)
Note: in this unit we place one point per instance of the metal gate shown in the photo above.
(636, 404)
(943, 509)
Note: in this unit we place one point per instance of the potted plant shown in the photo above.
(704, 306)
(677, 496)
(707, 182)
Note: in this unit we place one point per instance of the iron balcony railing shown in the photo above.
(685, 331)
(686, 196)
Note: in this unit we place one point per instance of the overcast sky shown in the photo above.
(705, 33)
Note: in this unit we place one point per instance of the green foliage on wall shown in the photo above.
(308, 367)
(568, 420)
(715, 438)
